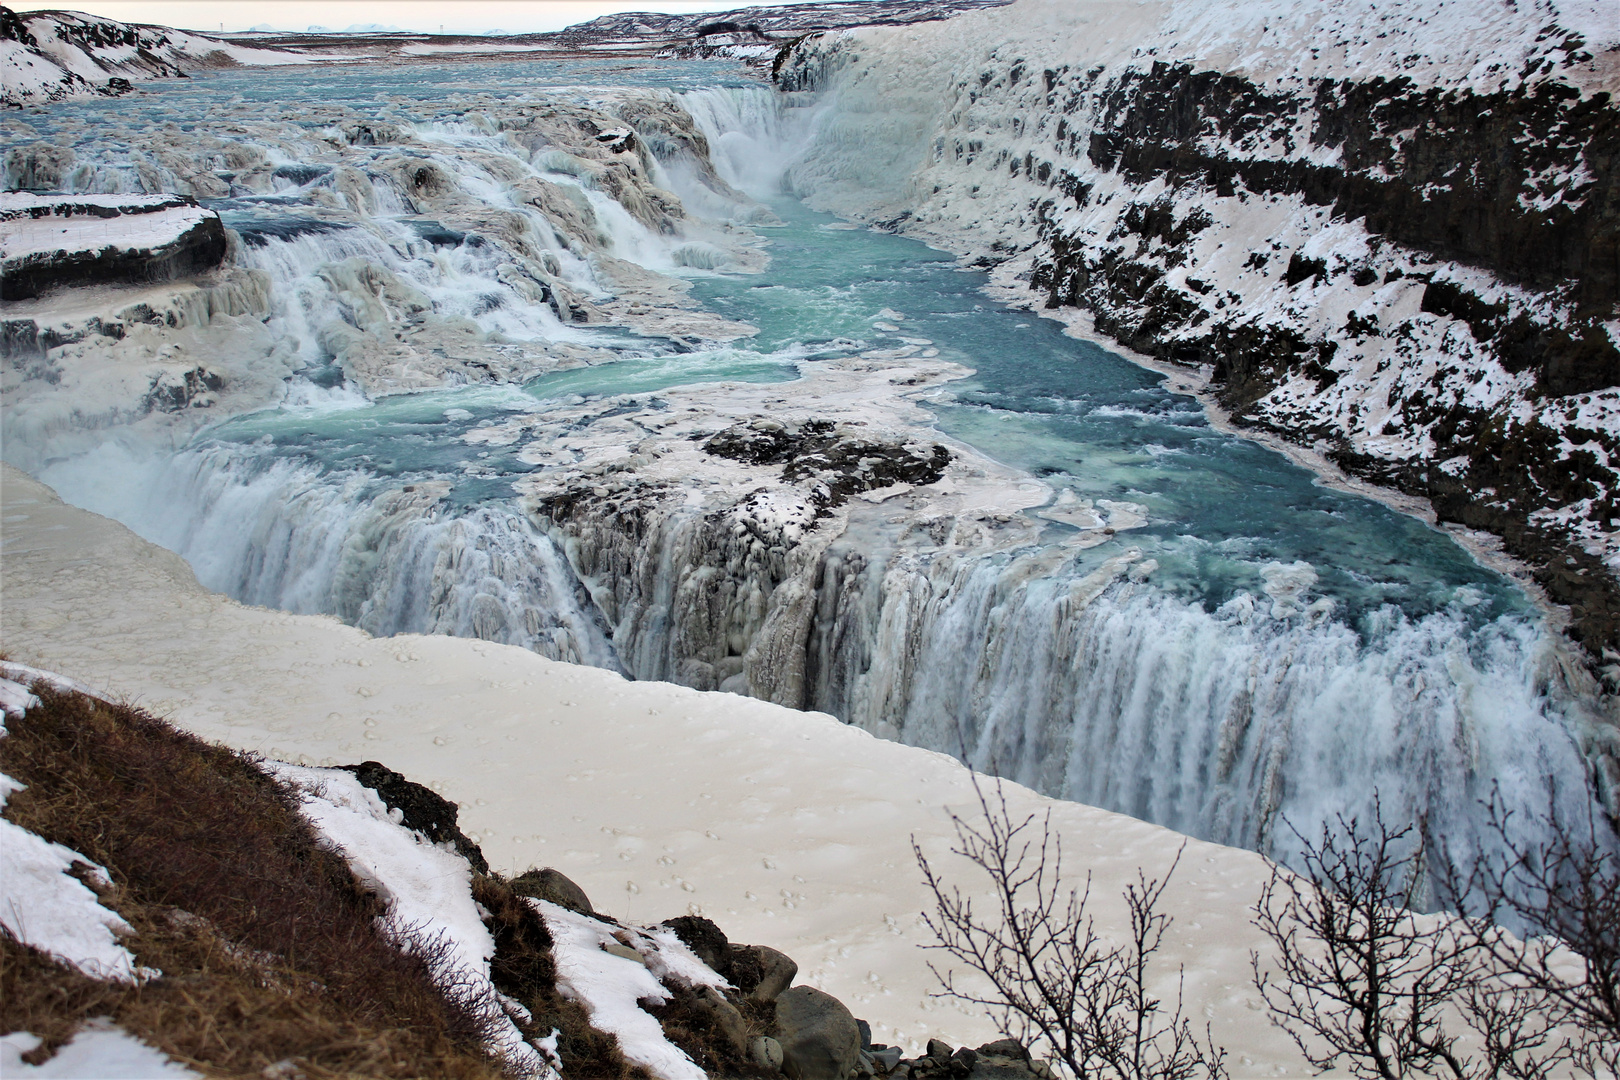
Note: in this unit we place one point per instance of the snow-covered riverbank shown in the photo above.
(786, 827)
(1384, 230)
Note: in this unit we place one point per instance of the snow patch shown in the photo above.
(427, 889)
(97, 1051)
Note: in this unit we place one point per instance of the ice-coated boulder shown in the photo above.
(51, 241)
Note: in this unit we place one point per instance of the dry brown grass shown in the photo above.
(524, 969)
(270, 949)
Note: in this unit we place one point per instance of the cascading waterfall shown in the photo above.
(1221, 720)
(1225, 723)
(754, 137)
(387, 558)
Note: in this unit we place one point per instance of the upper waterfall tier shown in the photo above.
(1386, 231)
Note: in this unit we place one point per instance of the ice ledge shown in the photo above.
(51, 241)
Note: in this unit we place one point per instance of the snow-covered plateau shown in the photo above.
(50, 55)
(1389, 232)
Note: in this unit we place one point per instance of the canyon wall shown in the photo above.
(1390, 233)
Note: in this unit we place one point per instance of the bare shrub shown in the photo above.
(1363, 979)
(1565, 891)
(1360, 979)
(1056, 984)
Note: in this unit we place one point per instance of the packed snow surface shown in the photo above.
(99, 1051)
(610, 988)
(789, 829)
(39, 224)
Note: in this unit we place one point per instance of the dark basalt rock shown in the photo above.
(837, 464)
(197, 250)
(1454, 174)
(423, 810)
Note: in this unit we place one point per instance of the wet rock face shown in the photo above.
(192, 388)
(835, 464)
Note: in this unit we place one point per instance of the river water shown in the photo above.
(1279, 650)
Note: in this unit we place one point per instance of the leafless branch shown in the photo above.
(1055, 982)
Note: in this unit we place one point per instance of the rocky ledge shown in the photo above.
(51, 241)
(754, 1021)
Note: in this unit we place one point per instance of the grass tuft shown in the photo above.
(272, 952)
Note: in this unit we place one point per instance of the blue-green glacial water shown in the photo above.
(1295, 649)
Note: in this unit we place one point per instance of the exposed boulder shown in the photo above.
(420, 809)
(71, 240)
(820, 1039)
(764, 971)
(725, 1018)
(765, 1052)
(1004, 1059)
(552, 886)
(758, 972)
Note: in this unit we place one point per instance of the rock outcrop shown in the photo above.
(420, 808)
(819, 1037)
(53, 241)
(49, 55)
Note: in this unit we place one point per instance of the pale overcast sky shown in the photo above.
(455, 16)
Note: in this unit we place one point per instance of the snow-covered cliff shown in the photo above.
(48, 55)
(1387, 231)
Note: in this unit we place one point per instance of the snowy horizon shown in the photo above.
(476, 17)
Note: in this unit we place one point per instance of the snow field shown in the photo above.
(788, 829)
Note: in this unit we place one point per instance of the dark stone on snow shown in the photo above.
(422, 809)
(554, 887)
(705, 939)
(834, 464)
